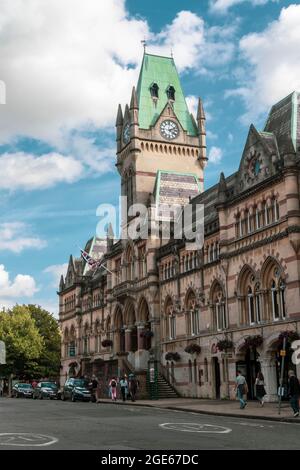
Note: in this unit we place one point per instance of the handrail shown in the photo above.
(165, 373)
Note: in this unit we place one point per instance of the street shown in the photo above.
(35, 424)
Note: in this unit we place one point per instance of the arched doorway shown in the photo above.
(120, 330)
(144, 319)
(130, 319)
(249, 366)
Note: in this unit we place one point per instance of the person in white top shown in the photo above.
(241, 389)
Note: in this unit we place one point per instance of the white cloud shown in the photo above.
(68, 63)
(222, 6)
(272, 60)
(26, 171)
(56, 270)
(15, 237)
(21, 286)
(215, 155)
(211, 135)
(192, 104)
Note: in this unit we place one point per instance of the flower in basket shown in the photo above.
(193, 348)
(106, 343)
(172, 356)
(253, 341)
(146, 334)
(225, 344)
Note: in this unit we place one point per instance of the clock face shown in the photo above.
(126, 134)
(169, 129)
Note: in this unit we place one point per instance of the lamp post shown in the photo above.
(152, 377)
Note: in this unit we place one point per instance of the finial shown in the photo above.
(144, 42)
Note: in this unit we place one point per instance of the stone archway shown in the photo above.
(119, 330)
(131, 344)
(144, 326)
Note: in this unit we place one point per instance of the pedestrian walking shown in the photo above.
(260, 391)
(113, 388)
(94, 387)
(132, 386)
(294, 392)
(241, 389)
(124, 388)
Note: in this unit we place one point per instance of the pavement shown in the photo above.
(253, 409)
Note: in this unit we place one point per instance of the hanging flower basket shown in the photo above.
(193, 349)
(106, 343)
(146, 334)
(253, 341)
(290, 336)
(73, 364)
(225, 344)
(172, 356)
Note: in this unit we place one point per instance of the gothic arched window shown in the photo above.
(171, 93)
(154, 90)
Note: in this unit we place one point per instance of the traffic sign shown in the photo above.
(282, 352)
(2, 353)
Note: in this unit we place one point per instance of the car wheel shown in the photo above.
(73, 398)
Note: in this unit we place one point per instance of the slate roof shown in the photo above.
(284, 121)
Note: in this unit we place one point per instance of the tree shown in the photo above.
(47, 325)
(23, 341)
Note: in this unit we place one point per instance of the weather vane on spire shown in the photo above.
(144, 42)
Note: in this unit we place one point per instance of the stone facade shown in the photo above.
(154, 295)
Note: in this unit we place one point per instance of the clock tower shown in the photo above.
(157, 135)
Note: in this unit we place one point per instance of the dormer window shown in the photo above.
(154, 90)
(171, 93)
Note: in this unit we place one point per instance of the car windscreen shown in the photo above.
(24, 386)
(48, 385)
(79, 383)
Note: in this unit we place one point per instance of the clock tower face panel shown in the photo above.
(169, 129)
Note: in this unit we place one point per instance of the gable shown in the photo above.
(258, 159)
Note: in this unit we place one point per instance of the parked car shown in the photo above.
(45, 390)
(76, 389)
(22, 390)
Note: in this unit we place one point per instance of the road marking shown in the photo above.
(254, 425)
(26, 439)
(196, 427)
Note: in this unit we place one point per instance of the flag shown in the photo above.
(93, 263)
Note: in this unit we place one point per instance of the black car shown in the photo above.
(76, 389)
(22, 390)
(45, 390)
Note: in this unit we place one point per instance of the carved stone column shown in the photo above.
(268, 368)
(140, 339)
(128, 340)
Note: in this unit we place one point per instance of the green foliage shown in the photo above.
(32, 339)
(24, 344)
(47, 325)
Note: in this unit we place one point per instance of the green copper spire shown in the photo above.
(162, 71)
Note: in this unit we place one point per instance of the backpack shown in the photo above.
(113, 383)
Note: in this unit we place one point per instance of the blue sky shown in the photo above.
(66, 69)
